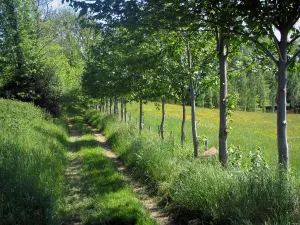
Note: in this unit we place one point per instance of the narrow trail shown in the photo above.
(76, 192)
(149, 203)
(78, 196)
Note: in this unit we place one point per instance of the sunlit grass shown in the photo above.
(31, 164)
(201, 189)
(249, 129)
(104, 195)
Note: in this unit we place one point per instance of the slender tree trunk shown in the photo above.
(116, 107)
(125, 111)
(110, 105)
(183, 118)
(223, 154)
(122, 109)
(101, 105)
(141, 114)
(193, 105)
(283, 149)
(106, 105)
(162, 125)
(193, 119)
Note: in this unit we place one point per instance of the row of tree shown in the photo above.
(172, 49)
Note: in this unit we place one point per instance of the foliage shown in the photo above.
(41, 61)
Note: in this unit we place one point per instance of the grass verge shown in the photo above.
(201, 190)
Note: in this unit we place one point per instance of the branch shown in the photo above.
(264, 49)
(293, 58)
(182, 36)
(235, 47)
(276, 44)
(293, 40)
(46, 44)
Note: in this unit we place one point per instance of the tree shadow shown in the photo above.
(53, 134)
(75, 146)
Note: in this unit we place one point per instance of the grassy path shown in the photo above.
(149, 203)
(98, 191)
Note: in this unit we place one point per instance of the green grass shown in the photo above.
(31, 164)
(201, 190)
(104, 195)
(249, 129)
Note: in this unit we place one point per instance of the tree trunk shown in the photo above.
(116, 107)
(193, 118)
(283, 150)
(141, 114)
(102, 105)
(122, 110)
(193, 104)
(183, 118)
(162, 125)
(106, 105)
(125, 111)
(223, 154)
(110, 105)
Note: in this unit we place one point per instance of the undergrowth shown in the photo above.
(200, 191)
(31, 164)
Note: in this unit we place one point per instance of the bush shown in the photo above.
(38, 84)
(202, 190)
(31, 165)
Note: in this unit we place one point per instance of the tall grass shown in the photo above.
(200, 190)
(249, 129)
(31, 164)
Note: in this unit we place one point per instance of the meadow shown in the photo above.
(200, 191)
(249, 130)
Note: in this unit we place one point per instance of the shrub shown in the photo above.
(38, 83)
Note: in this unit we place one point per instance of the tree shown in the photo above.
(261, 18)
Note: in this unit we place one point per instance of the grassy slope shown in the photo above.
(249, 129)
(31, 165)
(107, 198)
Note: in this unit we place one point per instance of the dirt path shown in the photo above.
(75, 189)
(155, 210)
